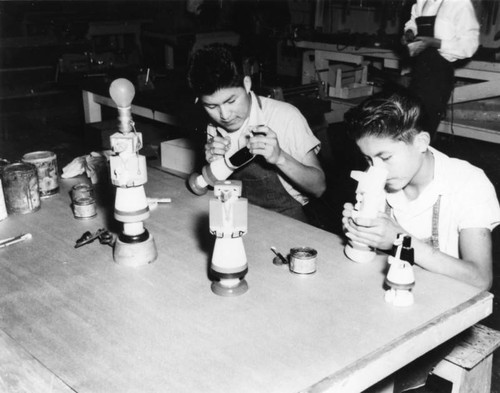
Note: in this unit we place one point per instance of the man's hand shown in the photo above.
(421, 43)
(407, 37)
(216, 147)
(265, 144)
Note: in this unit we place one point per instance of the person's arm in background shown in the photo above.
(410, 29)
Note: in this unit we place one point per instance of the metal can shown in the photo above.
(303, 260)
(83, 201)
(20, 185)
(46, 166)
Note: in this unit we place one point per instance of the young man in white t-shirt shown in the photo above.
(448, 206)
(286, 170)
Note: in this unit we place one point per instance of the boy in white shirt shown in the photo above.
(448, 206)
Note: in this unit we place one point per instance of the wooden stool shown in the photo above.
(469, 365)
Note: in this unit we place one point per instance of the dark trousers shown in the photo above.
(432, 81)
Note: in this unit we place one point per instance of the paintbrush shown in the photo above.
(13, 240)
(279, 255)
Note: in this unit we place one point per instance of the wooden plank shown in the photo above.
(92, 109)
(475, 91)
(364, 51)
(476, 74)
(352, 58)
(474, 345)
(469, 130)
(488, 66)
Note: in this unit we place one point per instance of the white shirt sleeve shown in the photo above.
(458, 29)
(299, 140)
(479, 207)
(411, 25)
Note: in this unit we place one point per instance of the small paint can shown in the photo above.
(303, 260)
(20, 185)
(3, 206)
(46, 166)
(83, 201)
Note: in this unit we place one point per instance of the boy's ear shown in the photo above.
(422, 141)
(247, 83)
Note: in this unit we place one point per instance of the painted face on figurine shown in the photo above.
(402, 160)
(229, 107)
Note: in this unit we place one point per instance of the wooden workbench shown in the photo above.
(74, 321)
(483, 76)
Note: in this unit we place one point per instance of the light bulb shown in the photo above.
(122, 91)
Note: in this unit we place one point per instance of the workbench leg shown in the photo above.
(475, 380)
(91, 109)
(169, 57)
(322, 66)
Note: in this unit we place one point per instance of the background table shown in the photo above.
(95, 326)
(170, 102)
(483, 80)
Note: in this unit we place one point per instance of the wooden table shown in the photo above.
(75, 321)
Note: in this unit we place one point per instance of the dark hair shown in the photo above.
(214, 67)
(397, 115)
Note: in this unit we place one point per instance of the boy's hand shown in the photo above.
(265, 145)
(346, 216)
(216, 147)
(380, 232)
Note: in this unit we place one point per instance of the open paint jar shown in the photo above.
(83, 201)
(303, 260)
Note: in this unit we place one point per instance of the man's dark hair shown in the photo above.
(397, 115)
(213, 68)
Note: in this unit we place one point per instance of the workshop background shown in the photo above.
(49, 50)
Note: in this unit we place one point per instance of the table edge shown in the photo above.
(377, 365)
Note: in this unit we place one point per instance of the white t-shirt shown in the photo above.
(468, 200)
(293, 133)
(456, 26)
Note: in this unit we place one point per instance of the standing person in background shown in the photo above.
(439, 33)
